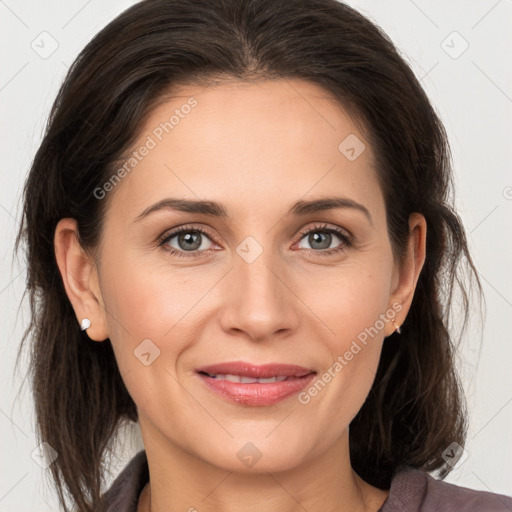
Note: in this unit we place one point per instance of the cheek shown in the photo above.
(354, 307)
(143, 307)
(352, 300)
(150, 300)
(153, 315)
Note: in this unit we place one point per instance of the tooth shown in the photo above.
(230, 378)
(247, 380)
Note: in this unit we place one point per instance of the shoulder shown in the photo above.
(124, 492)
(415, 490)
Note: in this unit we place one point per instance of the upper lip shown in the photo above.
(256, 371)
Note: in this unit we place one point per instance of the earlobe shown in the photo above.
(78, 274)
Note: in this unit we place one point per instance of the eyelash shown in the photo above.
(323, 228)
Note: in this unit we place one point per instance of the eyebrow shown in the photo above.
(215, 209)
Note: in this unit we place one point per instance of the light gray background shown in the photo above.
(472, 92)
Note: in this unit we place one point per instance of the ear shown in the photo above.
(407, 273)
(80, 277)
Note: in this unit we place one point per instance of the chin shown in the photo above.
(257, 456)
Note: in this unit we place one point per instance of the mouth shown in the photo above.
(246, 380)
(249, 370)
(248, 384)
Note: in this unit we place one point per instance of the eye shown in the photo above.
(320, 238)
(188, 240)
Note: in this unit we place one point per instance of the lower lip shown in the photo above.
(257, 394)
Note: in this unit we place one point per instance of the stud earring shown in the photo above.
(397, 327)
(86, 323)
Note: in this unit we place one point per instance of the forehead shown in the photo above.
(251, 144)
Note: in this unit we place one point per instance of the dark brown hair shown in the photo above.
(415, 408)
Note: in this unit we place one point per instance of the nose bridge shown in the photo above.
(259, 282)
(259, 302)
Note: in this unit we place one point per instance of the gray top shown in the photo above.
(412, 490)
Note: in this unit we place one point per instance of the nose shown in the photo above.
(258, 300)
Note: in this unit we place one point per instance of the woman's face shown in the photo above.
(252, 288)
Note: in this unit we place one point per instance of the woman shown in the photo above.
(239, 226)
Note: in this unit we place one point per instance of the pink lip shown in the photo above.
(256, 394)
